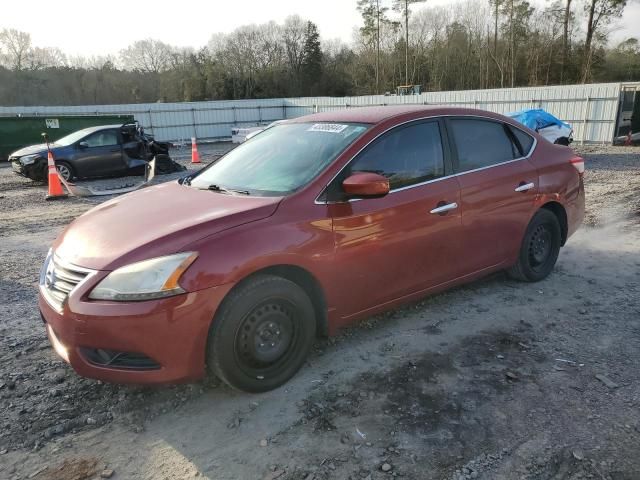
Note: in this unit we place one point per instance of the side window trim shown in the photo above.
(506, 126)
(452, 145)
(449, 151)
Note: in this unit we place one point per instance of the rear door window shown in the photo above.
(481, 143)
(406, 155)
(102, 139)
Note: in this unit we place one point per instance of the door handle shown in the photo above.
(524, 187)
(444, 208)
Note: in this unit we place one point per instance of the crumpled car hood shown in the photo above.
(152, 222)
(30, 150)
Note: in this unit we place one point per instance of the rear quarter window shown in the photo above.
(524, 139)
(481, 143)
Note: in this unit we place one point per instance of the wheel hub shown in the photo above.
(265, 335)
(64, 171)
(540, 245)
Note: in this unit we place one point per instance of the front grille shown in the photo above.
(58, 279)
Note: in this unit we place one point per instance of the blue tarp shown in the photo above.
(536, 118)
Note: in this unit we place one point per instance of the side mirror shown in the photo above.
(83, 144)
(366, 184)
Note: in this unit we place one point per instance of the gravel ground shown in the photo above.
(494, 380)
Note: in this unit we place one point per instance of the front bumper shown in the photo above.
(17, 167)
(35, 171)
(171, 332)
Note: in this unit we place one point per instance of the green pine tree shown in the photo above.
(311, 59)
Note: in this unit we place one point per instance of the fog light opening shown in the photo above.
(118, 360)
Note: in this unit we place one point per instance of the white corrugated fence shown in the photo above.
(591, 109)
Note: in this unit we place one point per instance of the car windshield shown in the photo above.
(72, 138)
(281, 160)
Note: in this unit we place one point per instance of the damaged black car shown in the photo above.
(95, 152)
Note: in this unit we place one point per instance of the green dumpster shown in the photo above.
(17, 132)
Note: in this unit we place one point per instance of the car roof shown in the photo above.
(99, 127)
(379, 114)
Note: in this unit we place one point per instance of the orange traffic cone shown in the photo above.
(55, 187)
(195, 156)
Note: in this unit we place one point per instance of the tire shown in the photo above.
(262, 334)
(65, 170)
(540, 248)
(38, 172)
(562, 141)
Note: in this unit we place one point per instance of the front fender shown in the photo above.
(234, 254)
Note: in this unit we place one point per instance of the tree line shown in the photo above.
(468, 45)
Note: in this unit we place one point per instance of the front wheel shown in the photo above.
(65, 170)
(540, 248)
(262, 334)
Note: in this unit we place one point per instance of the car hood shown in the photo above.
(30, 150)
(152, 222)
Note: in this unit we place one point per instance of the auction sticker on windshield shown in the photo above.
(327, 127)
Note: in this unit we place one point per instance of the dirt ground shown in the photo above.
(495, 380)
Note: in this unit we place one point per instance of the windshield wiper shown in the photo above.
(218, 188)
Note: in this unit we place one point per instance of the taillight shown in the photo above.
(578, 162)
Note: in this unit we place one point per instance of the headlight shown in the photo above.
(43, 270)
(28, 159)
(154, 278)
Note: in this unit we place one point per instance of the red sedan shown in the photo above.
(311, 224)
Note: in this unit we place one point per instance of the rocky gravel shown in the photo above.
(493, 380)
(35, 382)
(616, 172)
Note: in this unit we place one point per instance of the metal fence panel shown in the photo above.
(591, 109)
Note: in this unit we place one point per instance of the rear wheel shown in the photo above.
(540, 248)
(262, 334)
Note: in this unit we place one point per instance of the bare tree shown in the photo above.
(16, 46)
(496, 13)
(402, 6)
(271, 46)
(449, 47)
(42, 58)
(565, 38)
(599, 14)
(95, 62)
(147, 56)
(373, 15)
(293, 36)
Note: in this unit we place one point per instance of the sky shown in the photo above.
(90, 27)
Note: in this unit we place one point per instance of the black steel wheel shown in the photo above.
(265, 335)
(540, 248)
(261, 334)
